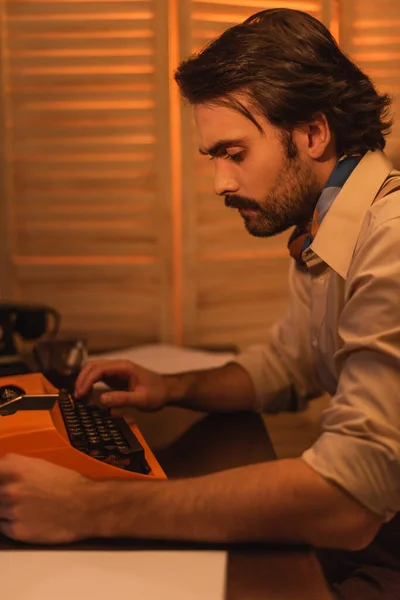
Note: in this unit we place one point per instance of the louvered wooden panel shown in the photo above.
(220, 256)
(239, 299)
(86, 95)
(111, 304)
(210, 17)
(370, 33)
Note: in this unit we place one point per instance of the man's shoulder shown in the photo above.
(378, 241)
(386, 208)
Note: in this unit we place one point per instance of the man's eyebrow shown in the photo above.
(221, 145)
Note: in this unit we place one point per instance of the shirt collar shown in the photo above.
(337, 235)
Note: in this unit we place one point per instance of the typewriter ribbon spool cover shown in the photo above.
(85, 439)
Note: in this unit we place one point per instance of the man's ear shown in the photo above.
(314, 137)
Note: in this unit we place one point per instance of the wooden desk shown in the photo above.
(188, 444)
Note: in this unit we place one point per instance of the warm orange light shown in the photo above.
(85, 52)
(230, 255)
(83, 260)
(334, 27)
(263, 4)
(176, 168)
(87, 70)
(375, 40)
(91, 35)
(372, 24)
(376, 56)
(81, 17)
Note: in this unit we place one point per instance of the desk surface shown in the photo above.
(189, 444)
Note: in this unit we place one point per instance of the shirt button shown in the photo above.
(314, 342)
(321, 279)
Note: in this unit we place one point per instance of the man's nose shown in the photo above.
(224, 182)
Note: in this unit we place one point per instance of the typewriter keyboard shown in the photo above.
(95, 432)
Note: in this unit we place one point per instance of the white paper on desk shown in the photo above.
(165, 358)
(107, 575)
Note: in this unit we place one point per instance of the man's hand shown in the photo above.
(43, 503)
(136, 386)
(221, 389)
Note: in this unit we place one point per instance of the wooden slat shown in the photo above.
(77, 29)
(101, 40)
(66, 124)
(85, 239)
(135, 10)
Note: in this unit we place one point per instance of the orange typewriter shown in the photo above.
(38, 420)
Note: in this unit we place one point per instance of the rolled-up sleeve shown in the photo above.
(282, 369)
(359, 448)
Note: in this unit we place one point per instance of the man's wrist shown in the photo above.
(101, 515)
(92, 495)
(177, 389)
(116, 508)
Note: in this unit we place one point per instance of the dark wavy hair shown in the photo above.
(289, 67)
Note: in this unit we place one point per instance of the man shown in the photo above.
(296, 133)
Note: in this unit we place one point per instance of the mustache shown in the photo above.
(236, 201)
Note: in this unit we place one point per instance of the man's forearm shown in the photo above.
(283, 501)
(224, 389)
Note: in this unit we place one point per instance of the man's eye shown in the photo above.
(237, 158)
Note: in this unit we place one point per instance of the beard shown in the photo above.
(291, 202)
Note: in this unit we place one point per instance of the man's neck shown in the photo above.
(323, 168)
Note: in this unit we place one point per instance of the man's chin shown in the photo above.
(258, 230)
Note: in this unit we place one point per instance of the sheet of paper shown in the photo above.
(81, 575)
(166, 358)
